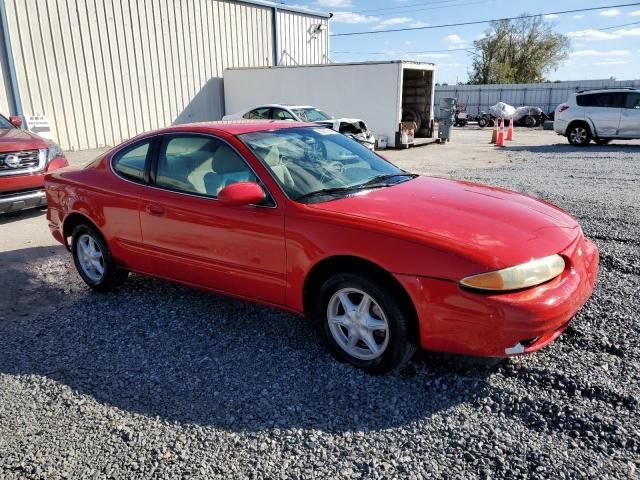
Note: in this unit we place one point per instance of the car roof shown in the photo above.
(608, 90)
(236, 127)
(281, 105)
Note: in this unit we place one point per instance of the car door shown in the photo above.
(198, 240)
(630, 118)
(604, 110)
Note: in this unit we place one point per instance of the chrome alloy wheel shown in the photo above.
(90, 257)
(358, 324)
(578, 135)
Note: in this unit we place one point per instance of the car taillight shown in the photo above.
(563, 107)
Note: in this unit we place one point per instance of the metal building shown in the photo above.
(102, 71)
(547, 96)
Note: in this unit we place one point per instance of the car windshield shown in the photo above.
(314, 164)
(4, 123)
(311, 114)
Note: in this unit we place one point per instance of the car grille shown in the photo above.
(28, 161)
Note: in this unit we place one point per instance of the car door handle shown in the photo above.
(154, 209)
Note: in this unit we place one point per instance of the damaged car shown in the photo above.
(351, 127)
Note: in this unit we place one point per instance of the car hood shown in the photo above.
(12, 139)
(490, 226)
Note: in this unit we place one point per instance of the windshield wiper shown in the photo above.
(328, 191)
(375, 182)
(380, 179)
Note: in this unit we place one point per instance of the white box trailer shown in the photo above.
(383, 94)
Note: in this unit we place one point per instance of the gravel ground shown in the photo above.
(162, 381)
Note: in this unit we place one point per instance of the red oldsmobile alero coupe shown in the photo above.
(303, 218)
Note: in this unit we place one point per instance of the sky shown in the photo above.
(594, 53)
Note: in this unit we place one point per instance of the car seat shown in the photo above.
(227, 168)
(278, 167)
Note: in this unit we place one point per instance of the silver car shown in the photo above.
(599, 115)
(351, 127)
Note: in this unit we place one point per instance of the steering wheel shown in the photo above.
(316, 151)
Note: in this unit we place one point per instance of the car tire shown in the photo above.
(412, 116)
(94, 261)
(602, 141)
(529, 121)
(378, 340)
(482, 122)
(579, 135)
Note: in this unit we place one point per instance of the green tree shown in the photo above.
(517, 51)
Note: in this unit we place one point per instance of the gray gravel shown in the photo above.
(160, 380)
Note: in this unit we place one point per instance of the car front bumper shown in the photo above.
(458, 320)
(22, 191)
(17, 201)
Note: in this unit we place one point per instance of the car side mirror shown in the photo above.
(15, 121)
(241, 193)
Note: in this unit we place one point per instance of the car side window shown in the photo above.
(258, 114)
(199, 165)
(130, 162)
(632, 100)
(280, 114)
(607, 99)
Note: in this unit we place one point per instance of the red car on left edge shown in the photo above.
(24, 159)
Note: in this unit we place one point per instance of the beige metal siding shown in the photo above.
(5, 90)
(102, 71)
(300, 42)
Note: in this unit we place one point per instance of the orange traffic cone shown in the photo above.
(494, 135)
(510, 130)
(500, 140)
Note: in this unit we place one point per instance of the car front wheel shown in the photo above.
(93, 259)
(364, 324)
(579, 135)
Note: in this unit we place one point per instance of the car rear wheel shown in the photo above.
(364, 324)
(579, 135)
(482, 122)
(529, 121)
(93, 259)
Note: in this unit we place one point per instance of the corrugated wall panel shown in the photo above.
(300, 44)
(544, 95)
(5, 91)
(102, 71)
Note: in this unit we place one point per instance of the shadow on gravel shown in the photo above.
(162, 350)
(566, 148)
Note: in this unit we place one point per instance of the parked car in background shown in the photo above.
(24, 159)
(300, 217)
(529, 117)
(599, 115)
(351, 127)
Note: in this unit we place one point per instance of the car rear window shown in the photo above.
(130, 162)
(604, 99)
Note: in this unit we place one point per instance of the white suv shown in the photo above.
(601, 115)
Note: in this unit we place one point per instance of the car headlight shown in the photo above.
(521, 276)
(54, 151)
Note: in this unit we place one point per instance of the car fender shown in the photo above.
(592, 125)
(311, 241)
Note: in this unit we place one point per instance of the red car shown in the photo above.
(24, 159)
(300, 217)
